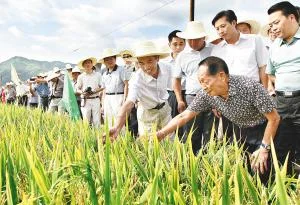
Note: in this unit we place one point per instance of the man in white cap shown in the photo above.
(115, 84)
(248, 27)
(56, 85)
(69, 70)
(187, 66)
(149, 88)
(89, 86)
(245, 54)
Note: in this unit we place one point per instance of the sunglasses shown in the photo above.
(127, 56)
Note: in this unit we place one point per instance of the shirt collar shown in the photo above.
(115, 68)
(149, 78)
(296, 36)
(242, 37)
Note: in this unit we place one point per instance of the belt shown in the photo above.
(288, 94)
(55, 96)
(118, 93)
(92, 97)
(159, 106)
(191, 94)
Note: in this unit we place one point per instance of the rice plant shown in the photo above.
(49, 159)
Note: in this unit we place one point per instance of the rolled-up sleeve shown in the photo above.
(201, 103)
(133, 89)
(177, 70)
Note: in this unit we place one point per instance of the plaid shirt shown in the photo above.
(245, 106)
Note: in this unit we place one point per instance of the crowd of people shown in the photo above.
(236, 80)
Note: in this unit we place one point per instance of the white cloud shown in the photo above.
(54, 29)
(15, 31)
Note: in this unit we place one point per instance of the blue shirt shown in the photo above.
(284, 63)
(42, 90)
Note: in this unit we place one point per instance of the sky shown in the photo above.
(69, 30)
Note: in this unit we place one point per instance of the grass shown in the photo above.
(48, 159)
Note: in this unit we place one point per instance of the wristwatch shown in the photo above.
(266, 146)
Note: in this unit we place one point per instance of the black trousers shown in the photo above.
(44, 103)
(133, 122)
(252, 137)
(174, 108)
(288, 137)
(22, 100)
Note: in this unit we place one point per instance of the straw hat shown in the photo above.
(265, 30)
(255, 26)
(148, 48)
(56, 69)
(194, 30)
(76, 70)
(52, 76)
(68, 67)
(126, 52)
(94, 62)
(9, 83)
(108, 52)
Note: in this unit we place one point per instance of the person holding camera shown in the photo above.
(89, 86)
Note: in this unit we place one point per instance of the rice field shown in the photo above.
(48, 159)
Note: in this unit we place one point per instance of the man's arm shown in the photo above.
(263, 76)
(179, 97)
(125, 89)
(124, 113)
(261, 155)
(273, 123)
(178, 121)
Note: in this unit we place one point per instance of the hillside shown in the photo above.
(26, 68)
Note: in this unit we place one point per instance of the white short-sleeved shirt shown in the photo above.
(170, 60)
(245, 56)
(113, 82)
(93, 80)
(187, 66)
(147, 90)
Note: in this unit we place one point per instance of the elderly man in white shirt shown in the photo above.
(245, 54)
(115, 84)
(89, 86)
(187, 66)
(149, 88)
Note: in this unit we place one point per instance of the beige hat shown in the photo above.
(255, 26)
(56, 69)
(108, 52)
(126, 52)
(265, 30)
(148, 48)
(9, 83)
(194, 30)
(94, 62)
(213, 36)
(76, 70)
(52, 76)
(68, 67)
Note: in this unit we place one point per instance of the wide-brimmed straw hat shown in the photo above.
(56, 69)
(94, 62)
(52, 76)
(255, 25)
(76, 70)
(193, 30)
(68, 67)
(148, 48)
(264, 31)
(108, 52)
(126, 52)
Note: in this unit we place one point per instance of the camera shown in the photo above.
(88, 90)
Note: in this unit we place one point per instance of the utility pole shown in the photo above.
(192, 10)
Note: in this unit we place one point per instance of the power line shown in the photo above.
(134, 20)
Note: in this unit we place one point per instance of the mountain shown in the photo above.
(26, 68)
